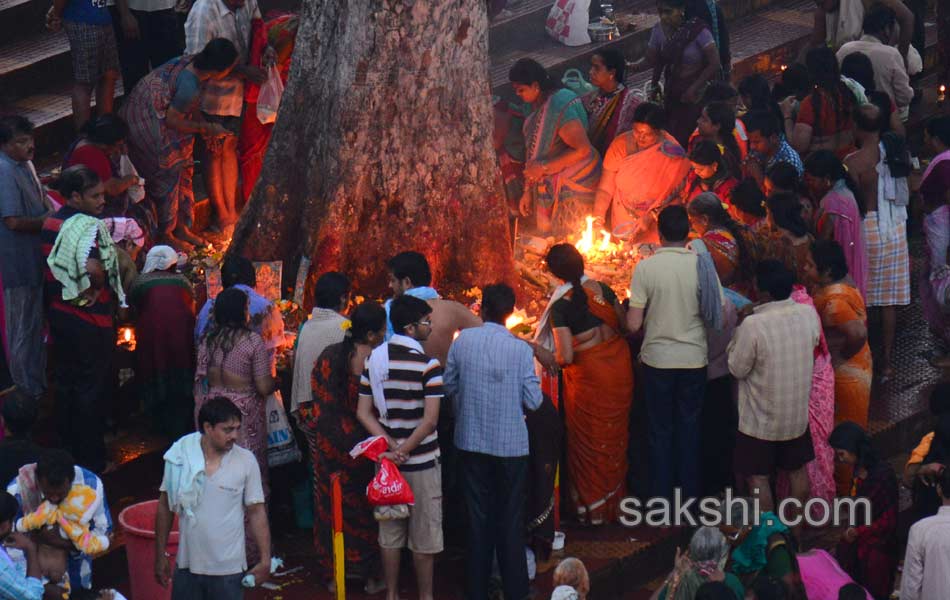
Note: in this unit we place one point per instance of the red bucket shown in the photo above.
(138, 521)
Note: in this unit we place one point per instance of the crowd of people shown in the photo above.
(772, 230)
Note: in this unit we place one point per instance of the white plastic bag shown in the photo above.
(574, 80)
(281, 444)
(268, 99)
(135, 193)
(567, 22)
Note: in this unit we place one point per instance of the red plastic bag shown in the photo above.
(388, 487)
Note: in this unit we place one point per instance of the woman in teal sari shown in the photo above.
(562, 167)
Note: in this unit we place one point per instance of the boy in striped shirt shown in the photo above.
(404, 386)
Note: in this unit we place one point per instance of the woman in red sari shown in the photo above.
(585, 318)
(278, 32)
(165, 350)
(329, 423)
(709, 173)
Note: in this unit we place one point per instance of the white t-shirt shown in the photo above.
(212, 543)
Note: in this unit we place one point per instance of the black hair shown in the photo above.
(714, 590)
(939, 127)
(709, 205)
(784, 176)
(406, 310)
(498, 301)
(329, 289)
(867, 123)
(940, 398)
(8, 507)
(706, 152)
(12, 126)
(825, 164)
(883, 102)
(55, 466)
(673, 223)
(858, 67)
(756, 88)
(719, 91)
(748, 198)
(366, 318)
(412, 265)
(229, 315)
(77, 179)
(613, 61)
(724, 116)
(19, 412)
(769, 588)
(823, 67)
(786, 209)
(107, 130)
(528, 71)
(774, 277)
(217, 55)
(852, 591)
(762, 121)
(796, 79)
(943, 482)
(238, 270)
(850, 436)
(650, 114)
(878, 19)
(217, 410)
(566, 263)
(829, 258)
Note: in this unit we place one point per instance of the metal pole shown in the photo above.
(339, 571)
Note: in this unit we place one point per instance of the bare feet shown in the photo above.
(186, 235)
(374, 586)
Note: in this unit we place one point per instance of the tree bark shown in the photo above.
(383, 144)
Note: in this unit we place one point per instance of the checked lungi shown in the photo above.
(888, 264)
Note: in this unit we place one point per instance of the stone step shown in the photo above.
(29, 64)
(20, 18)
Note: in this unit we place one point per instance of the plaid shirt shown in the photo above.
(788, 155)
(773, 355)
(491, 374)
(15, 585)
(210, 19)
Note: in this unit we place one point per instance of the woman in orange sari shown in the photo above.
(644, 171)
(584, 318)
(844, 319)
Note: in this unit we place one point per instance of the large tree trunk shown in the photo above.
(383, 144)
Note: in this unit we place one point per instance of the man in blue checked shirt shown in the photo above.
(490, 373)
(14, 584)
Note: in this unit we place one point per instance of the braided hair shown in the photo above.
(823, 67)
(566, 263)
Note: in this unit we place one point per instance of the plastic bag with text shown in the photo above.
(388, 487)
(567, 22)
(268, 100)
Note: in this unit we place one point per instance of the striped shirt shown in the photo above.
(210, 19)
(99, 314)
(413, 379)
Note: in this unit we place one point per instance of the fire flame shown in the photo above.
(514, 319)
(126, 338)
(586, 245)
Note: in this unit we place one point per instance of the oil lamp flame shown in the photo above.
(586, 243)
(126, 338)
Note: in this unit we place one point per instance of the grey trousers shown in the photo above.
(188, 586)
(23, 312)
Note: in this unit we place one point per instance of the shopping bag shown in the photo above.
(136, 192)
(281, 445)
(268, 99)
(567, 22)
(574, 80)
(388, 487)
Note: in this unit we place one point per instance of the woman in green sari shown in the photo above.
(562, 167)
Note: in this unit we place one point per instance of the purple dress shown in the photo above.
(848, 231)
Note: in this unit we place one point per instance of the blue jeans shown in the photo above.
(674, 400)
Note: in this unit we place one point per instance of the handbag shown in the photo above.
(282, 446)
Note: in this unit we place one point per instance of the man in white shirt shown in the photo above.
(926, 574)
(890, 72)
(211, 483)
